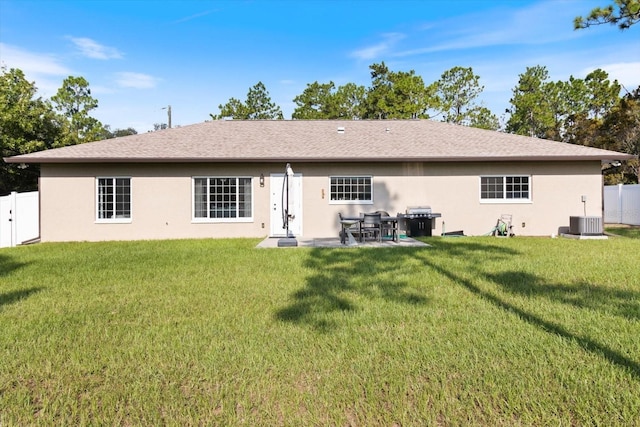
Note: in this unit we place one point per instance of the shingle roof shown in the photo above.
(319, 141)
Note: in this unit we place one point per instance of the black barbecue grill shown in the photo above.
(419, 220)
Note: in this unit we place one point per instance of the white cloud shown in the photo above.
(375, 51)
(136, 80)
(92, 49)
(197, 15)
(539, 23)
(31, 62)
(44, 69)
(101, 90)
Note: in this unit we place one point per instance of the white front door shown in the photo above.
(279, 199)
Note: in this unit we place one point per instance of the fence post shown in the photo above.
(620, 204)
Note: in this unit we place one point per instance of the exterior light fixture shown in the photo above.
(261, 180)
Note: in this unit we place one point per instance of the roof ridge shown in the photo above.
(320, 140)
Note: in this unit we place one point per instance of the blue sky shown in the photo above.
(141, 56)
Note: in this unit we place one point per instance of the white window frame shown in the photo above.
(351, 202)
(114, 219)
(504, 198)
(207, 219)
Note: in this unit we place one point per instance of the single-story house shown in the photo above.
(225, 179)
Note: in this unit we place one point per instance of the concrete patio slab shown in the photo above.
(581, 237)
(334, 242)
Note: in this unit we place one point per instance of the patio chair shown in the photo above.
(347, 228)
(389, 228)
(371, 226)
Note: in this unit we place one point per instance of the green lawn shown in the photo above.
(622, 231)
(472, 331)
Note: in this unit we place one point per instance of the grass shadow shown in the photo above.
(13, 297)
(342, 277)
(621, 303)
(528, 284)
(8, 265)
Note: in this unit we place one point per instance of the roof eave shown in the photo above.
(439, 159)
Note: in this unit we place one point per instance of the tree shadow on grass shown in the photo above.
(617, 302)
(526, 284)
(13, 297)
(8, 265)
(342, 277)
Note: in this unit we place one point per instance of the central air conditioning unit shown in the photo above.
(585, 225)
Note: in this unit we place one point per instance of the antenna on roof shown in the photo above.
(168, 108)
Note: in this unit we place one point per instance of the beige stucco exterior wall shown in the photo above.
(454, 191)
(162, 198)
(161, 203)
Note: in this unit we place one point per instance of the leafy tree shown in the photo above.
(351, 101)
(530, 112)
(483, 118)
(380, 94)
(623, 13)
(398, 95)
(123, 132)
(556, 100)
(602, 94)
(74, 101)
(587, 101)
(317, 101)
(569, 111)
(234, 108)
(108, 133)
(27, 124)
(321, 101)
(457, 91)
(620, 131)
(258, 106)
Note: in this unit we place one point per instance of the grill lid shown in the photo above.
(418, 210)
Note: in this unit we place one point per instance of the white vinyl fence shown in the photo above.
(19, 218)
(622, 204)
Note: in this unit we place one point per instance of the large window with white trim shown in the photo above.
(222, 199)
(113, 199)
(508, 188)
(351, 189)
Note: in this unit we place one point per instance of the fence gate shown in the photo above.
(19, 218)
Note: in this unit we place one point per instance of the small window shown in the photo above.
(222, 198)
(113, 199)
(505, 188)
(517, 187)
(351, 189)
